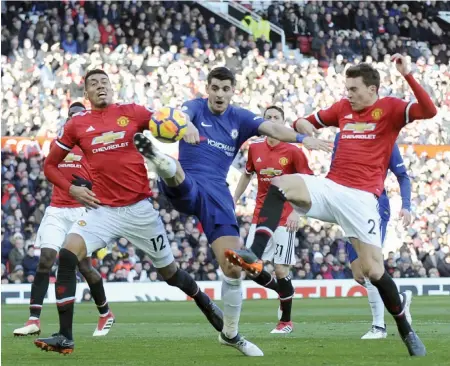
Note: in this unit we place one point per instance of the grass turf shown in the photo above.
(327, 332)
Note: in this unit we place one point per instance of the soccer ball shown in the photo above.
(168, 125)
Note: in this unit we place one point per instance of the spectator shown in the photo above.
(30, 262)
(17, 253)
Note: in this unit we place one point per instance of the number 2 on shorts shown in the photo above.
(372, 229)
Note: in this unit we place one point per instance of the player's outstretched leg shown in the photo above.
(232, 298)
(66, 285)
(181, 279)
(38, 290)
(95, 282)
(165, 166)
(397, 304)
(271, 213)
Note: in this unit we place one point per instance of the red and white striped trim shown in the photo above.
(316, 116)
(62, 146)
(36, 306)
(65, 301)
(264, 230)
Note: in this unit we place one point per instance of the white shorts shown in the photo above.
(279, 249)
(55, 225)
(354, 210)
(140, 224)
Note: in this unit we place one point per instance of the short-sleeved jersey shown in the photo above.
(75, 163)
(106, 138)
(270, 161)
(366, 140)
(396, 166)
(221, 136)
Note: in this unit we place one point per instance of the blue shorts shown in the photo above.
(217, 218)
(351, 252)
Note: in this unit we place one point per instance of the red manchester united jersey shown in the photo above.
(366, 141)
(74, 163)
(106, 138)
(270, 161)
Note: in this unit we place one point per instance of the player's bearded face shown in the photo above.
(220, 93)
(359, 95)
(98, 90)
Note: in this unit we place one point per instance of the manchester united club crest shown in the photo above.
(283, 161)
(377, 113)
(123, 121)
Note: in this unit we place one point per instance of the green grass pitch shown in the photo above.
(327, 332)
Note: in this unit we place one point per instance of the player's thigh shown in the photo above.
(318, 189)
(284, 246)
(282, 270)
(142, 226)
(54, 227)
(183, 196)
(93, 231)
(357, 213)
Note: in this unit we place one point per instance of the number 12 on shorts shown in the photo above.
(158, 243)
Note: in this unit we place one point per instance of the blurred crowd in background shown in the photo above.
(159, 53)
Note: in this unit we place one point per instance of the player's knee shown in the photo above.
(75, 244)
(168, 272)
(281, 271)
(46, 260)
(294, 189)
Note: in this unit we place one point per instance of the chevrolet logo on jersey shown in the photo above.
(271, 172)
(108, 138)
(71, 157)
(360, 127)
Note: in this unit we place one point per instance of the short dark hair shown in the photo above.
(94, 72)
(77, 104)
(276, 108)
(75, 108)
(221, 73)
(369, 75)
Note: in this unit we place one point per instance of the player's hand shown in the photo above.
(192, 136)
(311, 143)
(85, 196)
(406, 217)
(401, 64)
(305, 127)
(81, 182)
(292, 223)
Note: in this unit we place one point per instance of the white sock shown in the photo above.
(165, 165)
(232, 304)
(33, 318)
(376, 304)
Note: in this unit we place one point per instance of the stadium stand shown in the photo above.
(159, 53)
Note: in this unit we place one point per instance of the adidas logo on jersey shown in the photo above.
(258, 160)
(90, 129)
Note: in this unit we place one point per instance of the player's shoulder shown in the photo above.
(243, 113)
(80, 117)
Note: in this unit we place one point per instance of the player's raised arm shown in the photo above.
(286, 134)
(424, 108)
(397, 166)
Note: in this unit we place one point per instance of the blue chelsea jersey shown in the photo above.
(221, 136)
